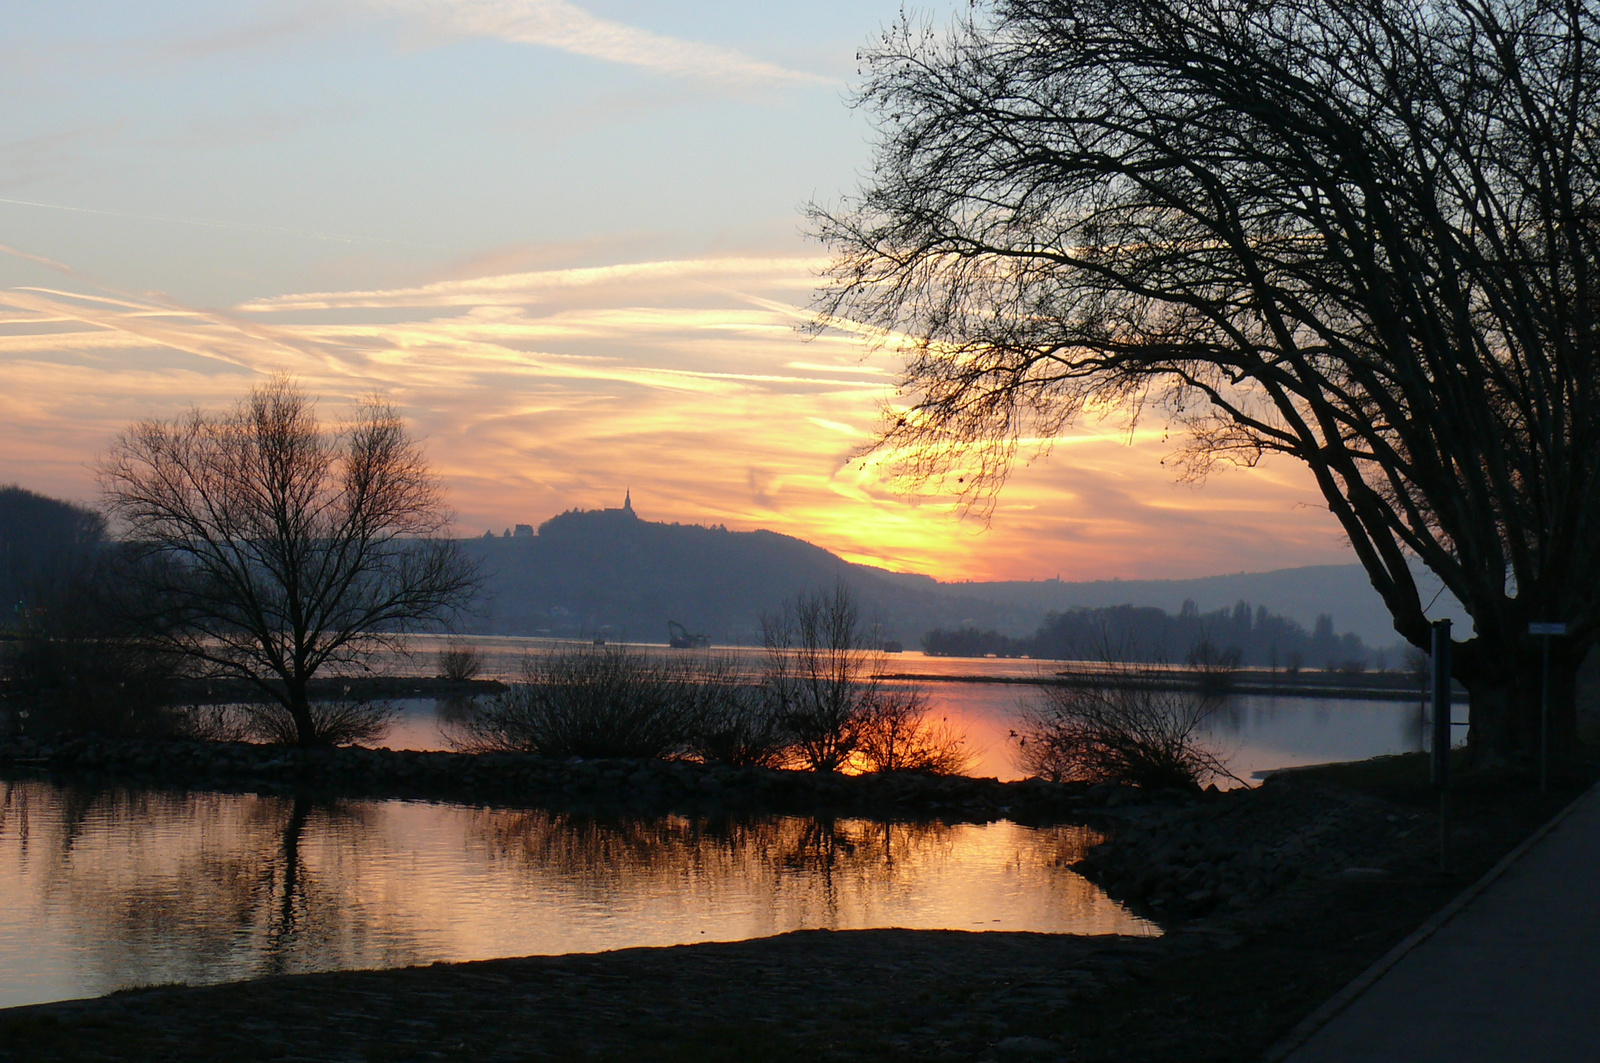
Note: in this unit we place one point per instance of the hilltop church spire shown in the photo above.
(627, 503)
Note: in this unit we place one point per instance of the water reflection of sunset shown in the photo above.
(119, 888)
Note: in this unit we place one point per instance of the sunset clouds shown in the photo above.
(682, 380)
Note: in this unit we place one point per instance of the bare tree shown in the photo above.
(279, 548)
(822, 675)
(1360, 233)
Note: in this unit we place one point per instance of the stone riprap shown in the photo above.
(524, 780)
(1181, 861)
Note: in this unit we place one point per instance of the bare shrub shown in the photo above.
(1127, 729)
(734, 721)
(821, 675)
(459, 662)
(339, 721)
(212, 723)
(1213, 666)
(600, 702)
(75, 663)
(901, 735)
(66, 683)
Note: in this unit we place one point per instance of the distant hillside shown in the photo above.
(607, 569)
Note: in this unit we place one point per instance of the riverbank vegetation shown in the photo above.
(820, 699)
(1125, 732)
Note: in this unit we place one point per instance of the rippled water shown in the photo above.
(116, 888)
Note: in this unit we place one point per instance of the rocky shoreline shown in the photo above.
(524, 780)
(1230, 856)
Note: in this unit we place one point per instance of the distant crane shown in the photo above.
(680, 637)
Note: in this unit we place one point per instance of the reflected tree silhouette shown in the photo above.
(139, 887)
(219, 884)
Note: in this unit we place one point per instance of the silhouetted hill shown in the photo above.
(38, 536)
(584, 571)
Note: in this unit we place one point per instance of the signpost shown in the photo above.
(1547, 631)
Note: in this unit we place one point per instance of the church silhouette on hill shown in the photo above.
(627, 506)
(527, 531)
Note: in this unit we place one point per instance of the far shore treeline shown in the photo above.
(1240, 635)
(608, 571)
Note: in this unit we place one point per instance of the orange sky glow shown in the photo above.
(682, 380)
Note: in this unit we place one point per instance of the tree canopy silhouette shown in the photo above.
(277, 548)
(1359, 233)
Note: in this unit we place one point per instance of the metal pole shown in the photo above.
(1442, 713)
(1439, 762)
(1544, 722)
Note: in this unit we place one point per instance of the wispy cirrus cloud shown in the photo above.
(685, 380)
(537, 286)
(569, 28)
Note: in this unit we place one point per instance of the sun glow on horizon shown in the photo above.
(684, 380)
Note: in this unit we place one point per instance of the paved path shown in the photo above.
(1514, 976)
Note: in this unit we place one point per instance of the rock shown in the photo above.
(1024, 1046)
(1125, 795)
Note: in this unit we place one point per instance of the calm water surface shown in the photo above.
(117, 888)
(1256, 733)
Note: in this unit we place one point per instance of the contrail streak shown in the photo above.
(338, 238)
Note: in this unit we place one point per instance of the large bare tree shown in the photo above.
(1360, 233)
(278, 548)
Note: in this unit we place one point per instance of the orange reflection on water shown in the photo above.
(118, 888)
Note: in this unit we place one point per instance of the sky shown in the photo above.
(564, 238)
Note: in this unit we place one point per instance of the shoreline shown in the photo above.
(652, 787)
(1245, 682)
(1227, 982)
(1249, 687)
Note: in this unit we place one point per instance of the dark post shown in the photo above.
(1443, 713)
(1544, 722)
(1545, 631)
(1439, 764)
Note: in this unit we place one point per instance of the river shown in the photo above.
(113, 887)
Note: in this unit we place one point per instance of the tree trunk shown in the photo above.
(299, 703)
(1505, 688)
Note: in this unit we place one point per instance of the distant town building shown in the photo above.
(524, 531)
